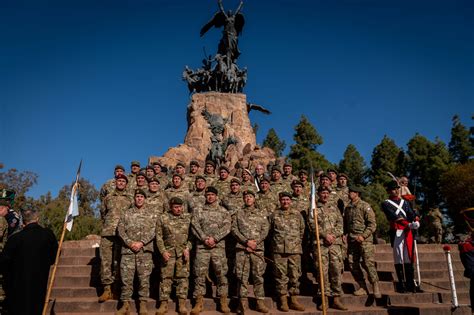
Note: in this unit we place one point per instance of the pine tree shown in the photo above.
(384, 159)
(303, 153)
(353, 165)
(460, 145)
(273, 142)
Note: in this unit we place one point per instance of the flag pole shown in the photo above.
(318, 243)
(58, 253)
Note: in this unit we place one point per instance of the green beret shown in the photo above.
(223, 167)
(248, 192)
(194, 162)
(5, 202)
(265, 179)
(287, 164)
(303, 172)
(153, 179)
(150, 167)
(156, 163)
(284, 194)
(122, 176)
(325, 175)
(331, 170)
(178, 175)
(199, 177)
(176, 201)
(235, 180)
(135, 163)
(322, 188)
(209, 162)
(356, 189)
(180, 164)
(119, 167)
(211, 189)
(141, 173)
(276, 168)
(139, 191)
(297, 182)
(343, 175)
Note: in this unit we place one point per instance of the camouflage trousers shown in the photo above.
(176, 270)
(287, 272)
(109, 252)
(250, 264)
(362, 254)
(332, 264)
(140, 263)
(218, 261)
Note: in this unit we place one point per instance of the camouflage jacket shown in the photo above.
(132, 181)
(250, 224)
(197, 200)
(210, 179)
(280, 186)
(211, 220)
(329, 222)
(182, 192)
(156, 202)
(343, 196)
(137, 225)
(359, 219)
(287, 230)
(106, 189)
(223, 186)
(267, 201)
(233, 202)
(250, 185)
(164, 181)
(114, 205)
(172, 233)
(300, 203)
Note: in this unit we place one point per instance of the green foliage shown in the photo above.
(427, 161)
(385, 158)
(457, 186)
(88, 197)
(353, 165)
(375, 195)
(460, 145)
(273, 142)
(303, 153)
(21, 182)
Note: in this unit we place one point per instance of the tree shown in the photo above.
(375, 194)
(273, 142)
(460, 145)
(21, 182)
(303, 153)
(88, 197)
(385, 158)
(457, 186)
(353, 165)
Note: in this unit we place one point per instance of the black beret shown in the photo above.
(284, 194)
(199, 177)
(139, 191)
(211, 189)
(248, 192)
(119, 167)
(235, 180)
(176, 201)
(356, 189)
(343, 175)
(303, 172)
(324, 175)
(265, 179)
(297, 182)
(322, 188)
(179, 175)
(135, 163)
(331, 170)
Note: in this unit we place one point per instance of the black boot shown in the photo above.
(401, 278)
(410, 278)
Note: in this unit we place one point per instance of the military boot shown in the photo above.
(107, 295)
(143, 308)
(243, 306)
(163, 308)
(224, 305)
(124, 310)
(410, 278)
(401, 278)
(326, 302)
(198, 306)
(294, 304)
(284, 303)
(376, 289)
(337, 304)
(182, 310)
(261, 307)
(362, 289)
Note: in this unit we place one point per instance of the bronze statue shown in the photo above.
(218, 143)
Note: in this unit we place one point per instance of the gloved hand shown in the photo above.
(414, 225)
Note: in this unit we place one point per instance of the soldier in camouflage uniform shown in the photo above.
(342, 191)
(331, 231)
(178, 189)
(332, 173)
(136, 229)
(266, 199)
(360, 225)
(234, 200)
(248, 181)
(140, 183)
(250, 228)
(161, 176)
(156, 197)
(193, 172)
(287, 230)
(277, 184)
(198, 195)
(115, 204)
(132, 177)
(303, 177)
(210, 172)
(210, 224)
(174, 245)
(109, 186)
(223, 183)
(299, 201)
(149, 172)
(287, 175)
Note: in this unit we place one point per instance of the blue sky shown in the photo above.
(101, 80)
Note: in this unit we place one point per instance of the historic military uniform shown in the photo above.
(172, 236)
(359, 221)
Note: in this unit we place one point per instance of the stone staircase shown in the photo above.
(76, 287)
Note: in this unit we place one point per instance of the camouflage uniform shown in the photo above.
(287, 230)
(342, 195)
(181, 192)
(114, 205)
(197, 199)
(223, 186)
(172, 236)
(233, 202)
(248, 185)
(266, 201)
(210, 179)
(359, 219)
(215, 221)
(288, 179)
(330, 222)
(250, 224)
(301, 204)
(136, 225)
(280, 186)
(156, 201)
(164, 180)
(131, 188)
(132, 182)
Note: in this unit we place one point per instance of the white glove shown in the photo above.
(414, 225)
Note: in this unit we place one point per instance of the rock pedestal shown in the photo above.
(197, 142)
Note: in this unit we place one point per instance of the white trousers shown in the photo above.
(400, 251)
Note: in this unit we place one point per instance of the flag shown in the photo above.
(73, 210)
(313, 196)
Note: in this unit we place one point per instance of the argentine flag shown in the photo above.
(73, 210)
(313, 196)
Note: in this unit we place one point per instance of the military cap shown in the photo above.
(303, 172)
(119, 167)
(211, 189)
(180, 164)
(356, 189)
(343, 175)
(140, 191)
(331, 170)
(199, 177)
(265, 179)
(248, 192)
(287, 164)
(135, 163)
(246, 170)
(156, 163)
(176, 201)
(149, 167)
(284, 194)
(324, 175)
(223, 167)
(392, 185)
(235, 180)
(276, 168)
(153, 179)
(179, 175)
(322, 188)
(209, 162)
(122, 176)
(141, 173)
(194, 162)
(296, 182)
(5, 202)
